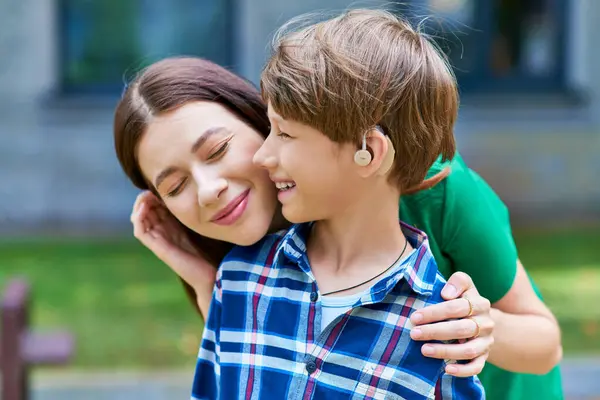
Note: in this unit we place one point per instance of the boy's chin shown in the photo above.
(296, 216)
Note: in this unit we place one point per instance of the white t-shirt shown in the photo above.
(333, 307)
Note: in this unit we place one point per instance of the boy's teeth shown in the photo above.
(284, 185)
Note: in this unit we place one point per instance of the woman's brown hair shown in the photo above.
(165, 86)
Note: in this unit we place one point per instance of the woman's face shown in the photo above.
(199, 159)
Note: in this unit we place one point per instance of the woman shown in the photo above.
(185, 131)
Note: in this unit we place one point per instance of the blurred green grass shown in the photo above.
(127, 309)
(565, 266)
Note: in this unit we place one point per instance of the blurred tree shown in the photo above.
(104, 43)
(100, 41)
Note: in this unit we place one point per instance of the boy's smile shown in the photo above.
(284, 189)
(314, 176)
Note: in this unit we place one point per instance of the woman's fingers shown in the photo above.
(472, 368)
(457, 285)
(466, 328)
(458, 351)
(451, 309)
(138, 221)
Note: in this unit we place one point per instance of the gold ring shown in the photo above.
(478, 328)
(470, 306)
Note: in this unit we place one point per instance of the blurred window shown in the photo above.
(500, 45)
(105, 42)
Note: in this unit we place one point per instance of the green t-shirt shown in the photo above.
(469, 230)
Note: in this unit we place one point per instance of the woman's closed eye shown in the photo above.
(178, 188)
(219, 151)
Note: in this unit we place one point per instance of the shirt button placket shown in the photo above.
(311, 365)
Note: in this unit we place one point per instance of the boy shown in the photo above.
(360, 107)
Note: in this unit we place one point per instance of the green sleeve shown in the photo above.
(476, 233)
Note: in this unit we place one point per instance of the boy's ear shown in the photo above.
(382, 153)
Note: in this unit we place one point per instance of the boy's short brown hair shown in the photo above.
(364, 68)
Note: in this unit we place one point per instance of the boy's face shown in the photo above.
(315, 176)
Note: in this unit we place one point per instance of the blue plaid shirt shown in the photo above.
(263, 338)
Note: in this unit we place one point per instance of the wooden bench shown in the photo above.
(21, 348)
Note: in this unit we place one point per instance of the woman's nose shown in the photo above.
(210, 188)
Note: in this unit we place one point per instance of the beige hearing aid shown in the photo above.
(388, 160)
(363, 157)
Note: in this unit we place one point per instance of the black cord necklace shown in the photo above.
(375, 277)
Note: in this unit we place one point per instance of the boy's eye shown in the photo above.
(283, 135)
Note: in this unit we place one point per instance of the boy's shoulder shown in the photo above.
(257, 253)
(422, 273)
(421, 288)
(436, 292)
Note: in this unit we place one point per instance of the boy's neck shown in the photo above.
(279, 222)
(367, 233)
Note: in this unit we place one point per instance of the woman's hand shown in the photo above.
(464, 316)
(159, 231)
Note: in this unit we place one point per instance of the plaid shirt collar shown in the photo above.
(420, 276)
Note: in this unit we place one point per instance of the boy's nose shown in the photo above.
(264, 158)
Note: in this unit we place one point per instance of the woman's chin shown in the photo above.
(253, 234)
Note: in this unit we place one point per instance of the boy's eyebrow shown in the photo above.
(276, 118)
(271, 114)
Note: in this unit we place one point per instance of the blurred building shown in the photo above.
(529, 120)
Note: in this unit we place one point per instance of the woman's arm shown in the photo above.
(526, 335)
(203, 299)
(476, 238)
(158, 230)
